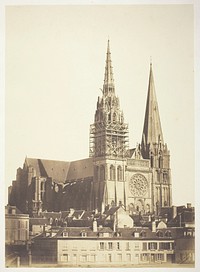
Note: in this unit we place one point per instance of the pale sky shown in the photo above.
(55, 60)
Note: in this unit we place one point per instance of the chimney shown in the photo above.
(71, 211)
(153, 226)
(6, 209)
(96, 211)
(13, 211)
(94, 225)
(102, 208)
(174, 211)
(44, 228)
(189, 205)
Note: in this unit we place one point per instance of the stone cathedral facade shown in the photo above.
(137, 178)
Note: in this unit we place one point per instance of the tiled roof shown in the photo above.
(64, 214)
(77, 214)
(130, 152)
(111, 211)
(80, 169)
(57, 170)
(87, 215)
(52, 215)
(39, 221)
(105, 230)
(80, 223)
(17, 211)
(60, 171)
(76, 232)
(121, 233)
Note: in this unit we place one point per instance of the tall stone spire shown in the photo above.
(108, 86)
(109, 133)
(152, 131)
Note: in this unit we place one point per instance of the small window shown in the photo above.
(144, 246)
(101, 245)
(168, 233)
(83, 234)
(159, 233)
(143, 234)
(137, 246)
(127, 246)
(160, 257)
(136, 234)
(65, 234)
(110, 245)
(152, 246)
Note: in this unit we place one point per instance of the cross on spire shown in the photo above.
(108, 87)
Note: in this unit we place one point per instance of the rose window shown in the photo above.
(138, 185)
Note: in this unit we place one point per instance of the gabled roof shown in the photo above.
(39, 221)
(111, 211)
(10, 208)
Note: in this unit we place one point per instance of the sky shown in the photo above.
(54, 69)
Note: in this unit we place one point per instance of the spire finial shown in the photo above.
(108, 78)
(150, 61)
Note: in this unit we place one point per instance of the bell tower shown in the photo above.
(154, 148)
(108, 143)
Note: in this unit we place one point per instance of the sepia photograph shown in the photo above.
(99, 136)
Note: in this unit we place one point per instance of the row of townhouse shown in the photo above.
(101, 246)
(131, 243)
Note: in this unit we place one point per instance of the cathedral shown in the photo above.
(138, 179)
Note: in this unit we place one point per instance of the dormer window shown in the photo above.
(143, 233)
(168, 233)
(159, 233)
(136, 234)
(83, 234)
(104, 234)
(65, 234)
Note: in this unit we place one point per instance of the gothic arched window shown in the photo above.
(114, 117)
(152, 162)
(97, 173)
(102, 173)
(119, 173)
(160, 160)
(112, 172)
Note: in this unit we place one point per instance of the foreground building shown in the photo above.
(16, 236)
(102, 246)
(105, 246)
(16, 226)
(137, 178)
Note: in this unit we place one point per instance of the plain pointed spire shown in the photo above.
(152, 131)
(108, 77)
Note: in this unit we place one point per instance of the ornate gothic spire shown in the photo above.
(152, 131)
(108, 87)
(109, 133)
